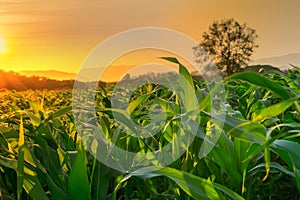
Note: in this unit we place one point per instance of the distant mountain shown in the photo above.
(51, 74)
(283, 62)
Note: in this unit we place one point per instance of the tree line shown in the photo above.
(14, 81)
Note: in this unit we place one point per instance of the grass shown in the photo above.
(256, 156)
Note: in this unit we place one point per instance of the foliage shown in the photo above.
(229, 43)
(256, 157)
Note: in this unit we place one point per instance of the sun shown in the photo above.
(3, 47)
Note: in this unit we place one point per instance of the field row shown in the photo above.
(233, 139)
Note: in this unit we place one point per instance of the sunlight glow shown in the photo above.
(3, 47)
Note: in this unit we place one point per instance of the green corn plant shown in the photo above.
(42, 155)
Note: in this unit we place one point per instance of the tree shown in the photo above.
(229, 44)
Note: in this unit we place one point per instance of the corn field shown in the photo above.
(257, 155)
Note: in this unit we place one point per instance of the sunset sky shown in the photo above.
(55, 34)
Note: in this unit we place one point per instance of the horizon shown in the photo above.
(61, 75)
(54, 35)
(114, 73)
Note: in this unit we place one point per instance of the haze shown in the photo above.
(58, 35)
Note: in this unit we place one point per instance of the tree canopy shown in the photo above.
(230, 45)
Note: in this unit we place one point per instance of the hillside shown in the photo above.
(15, 81)
(260, 68)
(51, 74)
(283, 62)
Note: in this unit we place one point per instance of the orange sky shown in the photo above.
(54, 34)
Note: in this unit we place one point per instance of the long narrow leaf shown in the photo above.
(258, 79)
(20, 170)
(274, 110)
(78, 182)
(196, 187)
